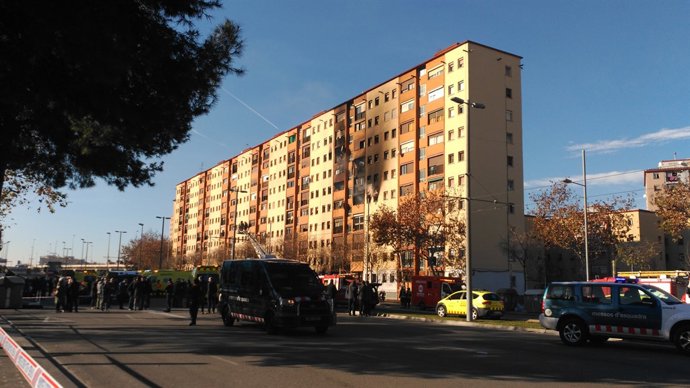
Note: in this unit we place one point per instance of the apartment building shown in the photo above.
(668, 172)
(310, 191)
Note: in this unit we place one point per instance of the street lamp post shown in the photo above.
(234, 218)
(468, 238)
(160, 260)
(86, 258)
(584, 187)
(6, 247)
(141, 244)
(119, 244)
(107, 255)
(83, 242)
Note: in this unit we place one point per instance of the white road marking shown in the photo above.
(225, 360)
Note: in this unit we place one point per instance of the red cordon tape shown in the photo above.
(30, 369)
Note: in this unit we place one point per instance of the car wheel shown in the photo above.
(682, 338)
(475, 314)
(227, 319)
(441, 311)
(573, 332)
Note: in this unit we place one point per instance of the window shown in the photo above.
(451, 66)
(406, 127)
(407, 189)
(510, 161)
(509, 93)
(451, 112)
(509, 115)
(436, 116)
(406, 168)
(358, 222)
(435, 72)
(451, 182)
(436, 184)
(338, 225)
(509, 138)
(509, 71)
(407, 147)
(461, 156)
(596, 294)
(406, 106)
(451, 89)
(406, 85)
(461, 62)
(359, 112)
(461, 86)
(451, 135)
(451, 158)
(435, 165)
(393, 133)
(436, 138)
(436, 94)
(511, 185)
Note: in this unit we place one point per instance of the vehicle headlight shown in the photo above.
(287, 302)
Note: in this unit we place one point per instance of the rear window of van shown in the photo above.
(561, 292)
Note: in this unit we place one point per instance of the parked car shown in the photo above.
(485, 304)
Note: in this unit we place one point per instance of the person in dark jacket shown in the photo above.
(211, 295)
(73, 289)
(194, 298)
(169, 295)
(352, 297)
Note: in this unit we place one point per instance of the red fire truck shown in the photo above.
(427, 290)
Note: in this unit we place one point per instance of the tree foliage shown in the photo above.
(673, 207)
(524, 248)
(103, 89)
(145, 252)
(559, 222)
(637, 255)
(430, 224)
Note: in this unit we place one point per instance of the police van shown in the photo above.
(278, 293)
(594, 312)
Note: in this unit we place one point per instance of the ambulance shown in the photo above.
(593, 312)
(428, 290)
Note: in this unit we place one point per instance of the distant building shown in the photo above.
(668, 172)
(65, 260)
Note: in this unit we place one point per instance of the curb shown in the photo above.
(466, 324)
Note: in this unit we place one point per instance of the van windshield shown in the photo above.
(291, 280)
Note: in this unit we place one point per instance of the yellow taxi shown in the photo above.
(485, 304)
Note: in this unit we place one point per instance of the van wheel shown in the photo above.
(573, 332)
(441, 311)
(321, 329)
(227, 319)
(269, 325)
(682, 338)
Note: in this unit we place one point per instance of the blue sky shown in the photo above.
(609, 76)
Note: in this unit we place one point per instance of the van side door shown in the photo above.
(639, 312)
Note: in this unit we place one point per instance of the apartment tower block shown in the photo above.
(308, 192)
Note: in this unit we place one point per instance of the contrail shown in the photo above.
(250, 108)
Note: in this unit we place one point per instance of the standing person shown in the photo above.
(203, 287)
(100, 287)
(130, 292)
(73, 289)
(408, 297)
(108, 291)
(122, 293)
(169, 295)
(139, 293)
(351, 297)
(60, 294)
(194, 300)
(211, 295)
(330, 294)
(93, 290)
(148, 289)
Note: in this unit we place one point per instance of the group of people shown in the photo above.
(361, 296)
(67, 295)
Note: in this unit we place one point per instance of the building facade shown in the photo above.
(309, 192)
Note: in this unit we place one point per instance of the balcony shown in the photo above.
(435, 170)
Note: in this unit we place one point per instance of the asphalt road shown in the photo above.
(122, 348)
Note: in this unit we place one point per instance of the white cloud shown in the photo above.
(661, 136)
(611, 178)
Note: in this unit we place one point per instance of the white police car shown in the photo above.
(592, 311)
